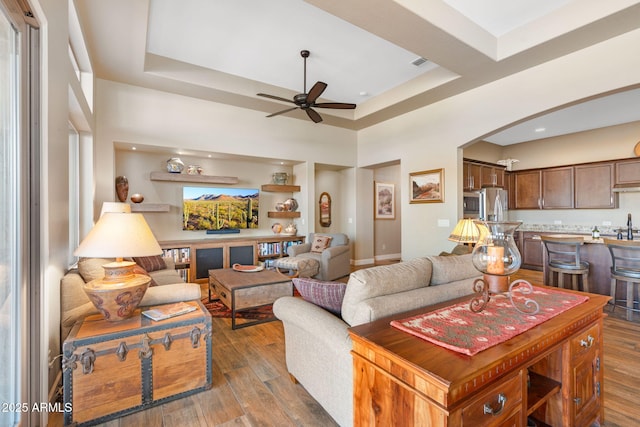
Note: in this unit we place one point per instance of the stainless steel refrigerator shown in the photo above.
(494, 204)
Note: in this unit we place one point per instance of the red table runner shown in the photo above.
(458, 328)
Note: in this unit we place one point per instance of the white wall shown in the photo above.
(130, 114)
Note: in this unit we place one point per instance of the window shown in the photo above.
(74, 192)
(10, 266)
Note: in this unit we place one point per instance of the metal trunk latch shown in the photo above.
(195, 337)
(122, 351)
(87, 358)
(145, 350)
(167, 341)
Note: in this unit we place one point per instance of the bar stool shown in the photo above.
(625, 266)
(563, 257)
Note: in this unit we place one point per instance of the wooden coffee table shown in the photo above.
(241, 291)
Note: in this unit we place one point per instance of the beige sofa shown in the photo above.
(318, 344)
(74, 303)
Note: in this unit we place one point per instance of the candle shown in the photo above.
(495, 262)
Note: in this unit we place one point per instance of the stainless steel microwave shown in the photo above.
(471, 205)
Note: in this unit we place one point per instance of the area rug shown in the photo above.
(458, 328)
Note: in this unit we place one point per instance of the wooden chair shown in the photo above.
(625, 266)
(563, 257)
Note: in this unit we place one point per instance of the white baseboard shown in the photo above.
(362, 261)
(388, 257)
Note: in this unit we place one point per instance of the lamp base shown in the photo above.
(119, 292)
(499, 286)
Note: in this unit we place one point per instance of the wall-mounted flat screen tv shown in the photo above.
(219, 208)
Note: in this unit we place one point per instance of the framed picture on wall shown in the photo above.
(427, 186)
(385, 201)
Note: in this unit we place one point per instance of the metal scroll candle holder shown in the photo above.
(497, 256)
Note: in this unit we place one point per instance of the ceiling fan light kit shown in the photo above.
(306, 101)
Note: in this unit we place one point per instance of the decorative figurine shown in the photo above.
(122, 188)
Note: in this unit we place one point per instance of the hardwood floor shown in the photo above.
(251, 386)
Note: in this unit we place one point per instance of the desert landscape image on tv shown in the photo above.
(219, 208)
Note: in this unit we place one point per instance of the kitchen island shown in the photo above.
(594, 251)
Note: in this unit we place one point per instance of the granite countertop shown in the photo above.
(572, 230)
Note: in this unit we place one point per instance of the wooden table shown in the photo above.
(552, 372)
(245, 290)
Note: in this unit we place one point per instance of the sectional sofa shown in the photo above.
(317, 341)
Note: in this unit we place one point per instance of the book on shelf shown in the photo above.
(168, 311)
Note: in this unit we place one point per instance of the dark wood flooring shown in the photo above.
(251, 386)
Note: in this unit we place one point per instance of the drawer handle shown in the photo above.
(223, 294)
(588, 342)
(488, 409)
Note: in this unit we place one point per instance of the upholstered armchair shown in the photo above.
(334, 259)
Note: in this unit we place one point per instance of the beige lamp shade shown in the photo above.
(466, 231)
(116, 207)
(118, 235)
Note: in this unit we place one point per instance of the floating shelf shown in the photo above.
(183, 177)
(150, 207)
(283, 214)
(278, 188)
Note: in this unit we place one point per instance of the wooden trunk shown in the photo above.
(111, 369)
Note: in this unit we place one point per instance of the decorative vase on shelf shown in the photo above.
(194, 170)
(290, 230)
(175, 165)
(137, 198)
(290, 205)
(280, 178)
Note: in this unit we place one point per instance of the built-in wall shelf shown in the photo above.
(150, 207)
(279, 188)
(183, 177)
(287, 214)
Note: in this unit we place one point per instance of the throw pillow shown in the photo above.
(151, 263)
(452, 268)
(139, 270)
(91, 268)
(320, 243)
(328, 295)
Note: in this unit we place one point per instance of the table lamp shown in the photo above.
(118, 235)
(465, 231)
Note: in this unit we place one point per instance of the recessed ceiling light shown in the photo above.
(540, 129)
(364, 93)
(209, 156)
(133, 148)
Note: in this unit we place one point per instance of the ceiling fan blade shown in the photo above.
(282, 112)
(315, 92)
(313, 115)
(339, 105)
(278, 98)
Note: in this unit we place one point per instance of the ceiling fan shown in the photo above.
(306, 101)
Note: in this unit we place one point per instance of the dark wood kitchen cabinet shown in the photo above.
(628, 173)
(557, 188)
(594, 186)
(526, 189)
(472, 176)
(550, 188)
(477, 175)
(532, 251)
